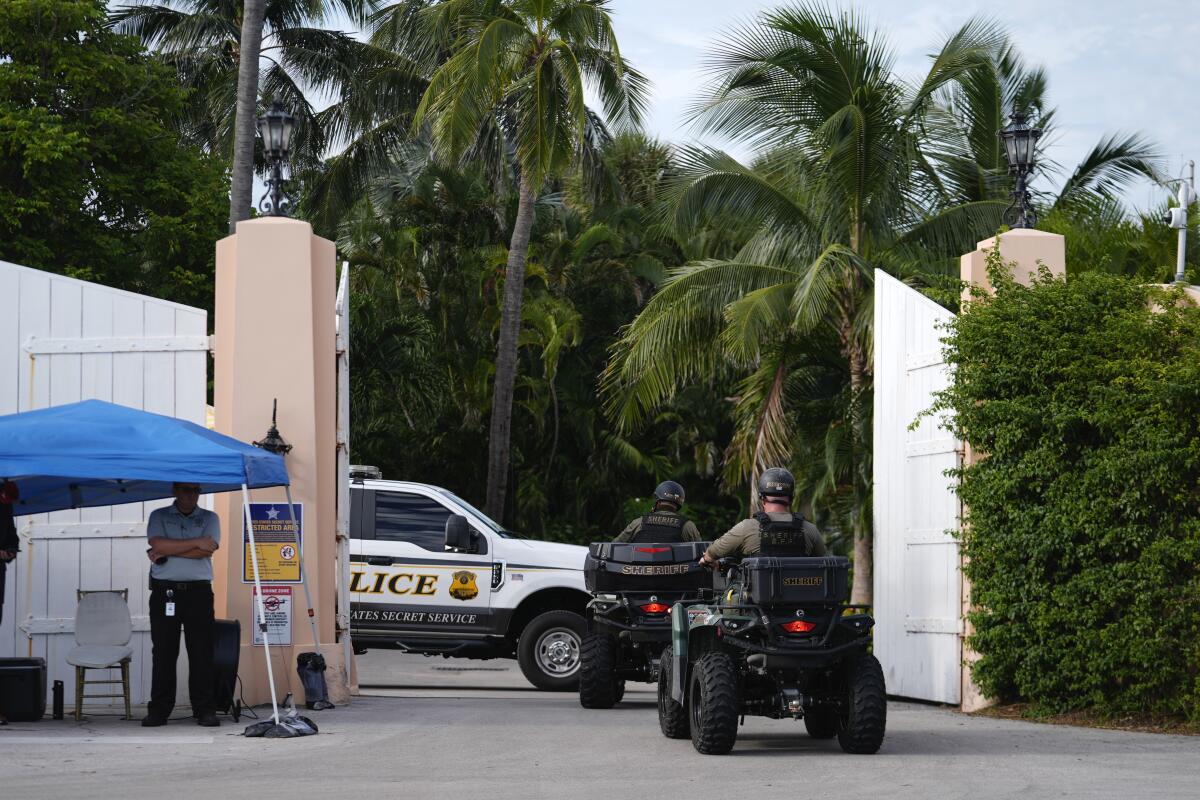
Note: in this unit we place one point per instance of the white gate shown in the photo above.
(61, 341)
(917, 579)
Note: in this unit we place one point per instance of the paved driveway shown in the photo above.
(457, 730)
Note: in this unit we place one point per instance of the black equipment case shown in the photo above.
(667, 567)
(819, 580)
(23, 688)
(227, 647)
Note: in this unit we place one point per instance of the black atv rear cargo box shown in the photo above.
(619, 567)
(821, 580)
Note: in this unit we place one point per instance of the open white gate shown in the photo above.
(61, 341)
(917, 578)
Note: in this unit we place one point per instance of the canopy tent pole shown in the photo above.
(262, 614)
(312, 616)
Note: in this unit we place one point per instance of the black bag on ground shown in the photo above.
(288, 727)
(311, 667)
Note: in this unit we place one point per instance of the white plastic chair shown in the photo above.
(103, 629)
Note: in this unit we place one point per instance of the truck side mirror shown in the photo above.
(458, 533)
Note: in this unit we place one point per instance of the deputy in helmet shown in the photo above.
(664, 523)
(789, 534)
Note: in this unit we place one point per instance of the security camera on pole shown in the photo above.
(1177, 217)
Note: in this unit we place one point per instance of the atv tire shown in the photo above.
(597, 664)
(865, 717)
(672, 716)
(713, 704)
(821, 723)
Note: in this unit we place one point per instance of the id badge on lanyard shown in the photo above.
(170, 606)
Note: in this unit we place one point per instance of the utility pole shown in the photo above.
(1178, 218)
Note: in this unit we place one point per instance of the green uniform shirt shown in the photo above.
(690, 532)
(743, 539)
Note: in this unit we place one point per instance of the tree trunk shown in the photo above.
(554, 441)
(506, 356)
(862, 591)
(242, 177)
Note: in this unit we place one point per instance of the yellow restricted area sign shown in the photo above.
(277, 540)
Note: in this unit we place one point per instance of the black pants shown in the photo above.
(194, 613)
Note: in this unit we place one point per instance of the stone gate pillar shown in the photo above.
(275, 289)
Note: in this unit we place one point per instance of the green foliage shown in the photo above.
(429, 248)
(200, 39)
(1082, 540)
(1101, 236)
(93, 183)
(517, 70)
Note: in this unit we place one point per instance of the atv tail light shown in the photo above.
(656, 608)
(651, 549)
(799, 626)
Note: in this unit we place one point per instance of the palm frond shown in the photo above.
(1116, 161)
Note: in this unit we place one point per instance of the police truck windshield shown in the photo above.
(491, 523)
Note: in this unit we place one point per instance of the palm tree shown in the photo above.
(841, 187)
(514, 77)
(217, 46)
(970, 159)
(242, 180)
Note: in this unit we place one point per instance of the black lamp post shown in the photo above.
(1020, 149)
(275, 127)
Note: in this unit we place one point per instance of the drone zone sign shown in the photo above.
(277, 608)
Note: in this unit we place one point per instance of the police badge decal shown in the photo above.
(463, 587)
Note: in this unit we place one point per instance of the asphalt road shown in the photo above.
(457, 730)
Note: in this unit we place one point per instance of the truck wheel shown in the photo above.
(713, 704)
(672, 717)
(865, 717)
(597, 662)
(821, 723)
(619, 689)
(548, 650)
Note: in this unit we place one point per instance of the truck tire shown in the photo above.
(672, 717)
(821, 723)
(713, 704)
(865, 717)
(619, 689)
(597, 664)
(548, 650)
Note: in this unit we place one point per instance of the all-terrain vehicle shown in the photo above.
(782, 641)
(633, 588)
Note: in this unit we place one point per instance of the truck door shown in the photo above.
(404, 583)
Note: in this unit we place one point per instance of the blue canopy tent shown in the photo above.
(98, 454)
(95, 453)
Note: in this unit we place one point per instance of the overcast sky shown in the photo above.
(1113, 66)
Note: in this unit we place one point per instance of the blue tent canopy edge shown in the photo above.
(95, 453)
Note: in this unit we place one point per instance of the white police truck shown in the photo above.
(432, 574)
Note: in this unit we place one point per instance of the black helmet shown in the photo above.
(776, 482)
(669, 492)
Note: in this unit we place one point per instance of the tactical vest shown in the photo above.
(782, 538)
(660, 526)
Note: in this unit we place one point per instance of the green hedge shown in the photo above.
(1083, 535)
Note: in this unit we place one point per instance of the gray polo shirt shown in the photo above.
(171, 523)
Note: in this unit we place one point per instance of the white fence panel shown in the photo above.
(61, 341)
(917, 579)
